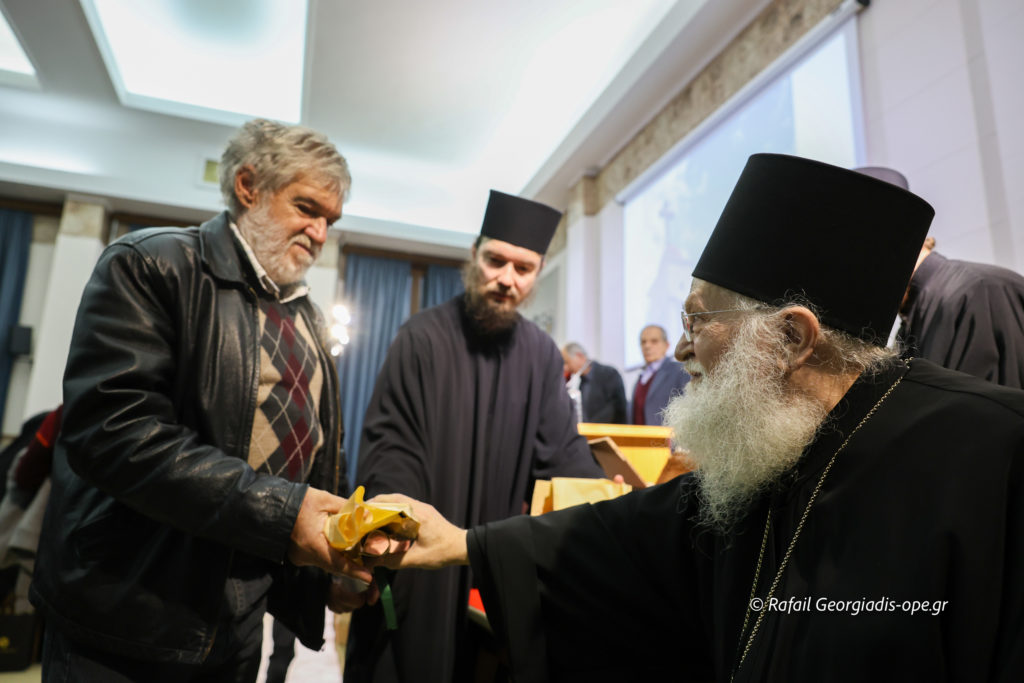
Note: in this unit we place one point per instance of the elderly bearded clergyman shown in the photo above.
(854, 517)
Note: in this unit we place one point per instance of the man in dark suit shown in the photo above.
(602, 393)
(661, 379)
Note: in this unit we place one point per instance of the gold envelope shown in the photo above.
(347, 527)
(563, 492)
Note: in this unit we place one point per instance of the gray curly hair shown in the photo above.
(278, 155)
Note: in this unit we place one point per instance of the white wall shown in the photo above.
(73, 260)
(943, 104)
(593, 285)
(103, 149)
(583, 275)
(610, 301)
(546, 307)
(323, 286)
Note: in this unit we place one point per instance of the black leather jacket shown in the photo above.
(152, 496)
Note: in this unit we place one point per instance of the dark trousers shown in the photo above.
(234, 658)
(282, 654)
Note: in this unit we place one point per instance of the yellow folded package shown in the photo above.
(348, 527)
(564, 492)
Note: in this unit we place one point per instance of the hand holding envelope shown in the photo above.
(363, 529)
(439, 543)
(368, 532)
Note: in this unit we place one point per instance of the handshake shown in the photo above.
(368, 529)
(349, 538)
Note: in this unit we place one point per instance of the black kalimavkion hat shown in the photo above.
(518, 221)
(844, 241)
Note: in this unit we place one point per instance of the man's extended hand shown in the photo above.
(439, 544)
(308, 544)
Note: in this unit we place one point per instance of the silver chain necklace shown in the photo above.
(792, 543)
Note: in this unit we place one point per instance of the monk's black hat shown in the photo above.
(844, 241)
(518, 221)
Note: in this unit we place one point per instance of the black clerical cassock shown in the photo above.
(906, 565)
(465, 421)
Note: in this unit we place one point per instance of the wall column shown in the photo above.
(80, 239)
(583, 269)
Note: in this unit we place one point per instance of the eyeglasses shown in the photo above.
(687, 319)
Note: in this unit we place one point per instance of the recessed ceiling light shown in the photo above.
(15, 67)
(223, 61)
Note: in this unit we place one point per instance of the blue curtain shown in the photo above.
(440, 284)
(378, 291)
(15, 240)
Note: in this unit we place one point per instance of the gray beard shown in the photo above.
(258, 229)
(743, 426)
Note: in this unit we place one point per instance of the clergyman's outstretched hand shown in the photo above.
(439, 543)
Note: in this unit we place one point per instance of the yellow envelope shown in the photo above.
(345, 529)
(563, 492)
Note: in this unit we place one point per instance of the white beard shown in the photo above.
(742, 424)
(271, 246)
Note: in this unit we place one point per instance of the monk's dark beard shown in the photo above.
(742, 424)
(487, 317)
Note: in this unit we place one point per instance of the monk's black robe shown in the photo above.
(467, 424)
(968, 317)
(925, 503)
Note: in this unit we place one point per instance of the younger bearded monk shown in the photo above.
(854, 517)
(468, 411)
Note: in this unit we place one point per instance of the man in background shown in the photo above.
(199, 452)
(602, 394)
(661, 379)
(469, 409)
(965, 316)
(962, 315)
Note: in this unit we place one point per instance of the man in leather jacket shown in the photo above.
(200, 452)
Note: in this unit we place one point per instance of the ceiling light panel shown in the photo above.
(15, 67)
(224, 61)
